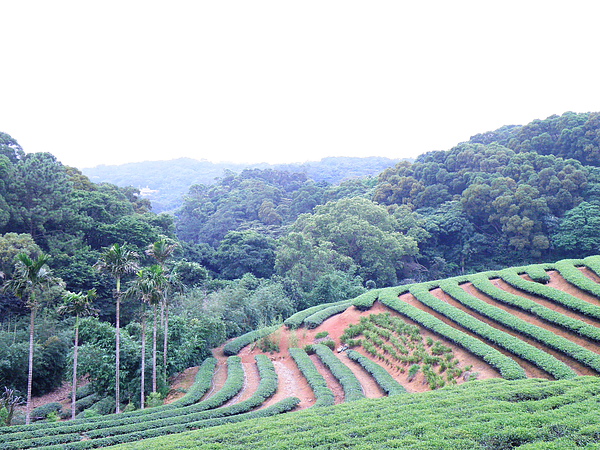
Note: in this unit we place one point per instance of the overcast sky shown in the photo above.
(110, 82)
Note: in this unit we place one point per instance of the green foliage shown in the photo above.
(242, 252)
(236, 345)
(389, 385)
(559, 415)
(507, 367)
(542, 335)
(317, 318)
(323, 395)
(543, 360)
(154, 399)
(485, 285)
(352, 387)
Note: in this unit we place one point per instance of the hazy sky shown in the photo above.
(109, 82)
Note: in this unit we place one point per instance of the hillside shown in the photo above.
(165, 182)
(536, 325)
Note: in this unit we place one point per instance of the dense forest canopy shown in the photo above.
(251, 248)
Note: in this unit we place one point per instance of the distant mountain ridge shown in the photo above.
(165, 182)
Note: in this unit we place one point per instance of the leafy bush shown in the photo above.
(41, 412)
(365, 301)
(543, 360)
(316, 319)
(296, 320)
(546, 337)
(389, 385)
(507, 367)
(236, 345)
(323, 395)
(352, 387)
(483, 284)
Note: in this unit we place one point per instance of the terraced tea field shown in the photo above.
(538, 321)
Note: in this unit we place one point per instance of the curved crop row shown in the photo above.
(234, 346)
(541, 359)
(365, 301)
(537, 272)
(233, 384)
(573, 275)
(137, 430)
(389, 385)
(562, 298)
(316, 319)
(507, 367)
(280, 407)
(593, 263)
(296, 320)
(352, 387)
(546, 337)
(323, 395)
(484, 285)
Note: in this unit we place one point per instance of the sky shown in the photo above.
(279, 81)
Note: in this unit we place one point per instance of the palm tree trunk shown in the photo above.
(30, 369)
(118, 350)
(75, 350)
(154, 353)
(143, 374)
(165, 338)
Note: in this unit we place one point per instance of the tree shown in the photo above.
(118, 261)
(146, 286)
(161, 251)
(78, 305)
(29, 277)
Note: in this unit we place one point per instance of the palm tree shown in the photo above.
(161, 251)
(30, 276)
(118, 261)
(146, 288)
(78, 305)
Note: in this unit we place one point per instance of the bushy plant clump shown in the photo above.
(317, 318)
(296, 320)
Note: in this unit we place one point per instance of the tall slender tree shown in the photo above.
(78, 305)
(29, 278)
(147, 286)
(118, 261)
(161, 251)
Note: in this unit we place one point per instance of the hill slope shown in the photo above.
(536, 326)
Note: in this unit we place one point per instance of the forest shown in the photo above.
(254, 247)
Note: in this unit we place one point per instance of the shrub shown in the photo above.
(234, 346)
(316, 319)
(389, 385)
(350, 384)
(323, 395)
